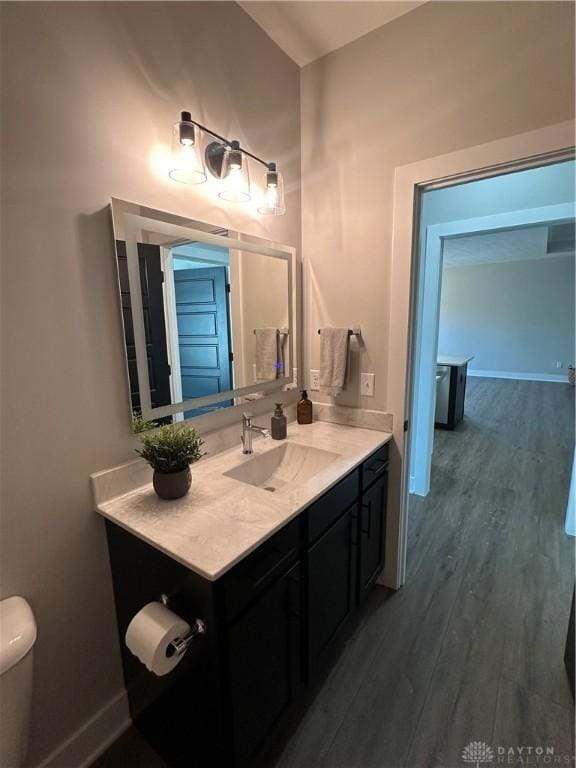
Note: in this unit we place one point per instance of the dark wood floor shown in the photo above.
(471, 648)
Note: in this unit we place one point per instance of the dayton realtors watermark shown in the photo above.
(478, 754)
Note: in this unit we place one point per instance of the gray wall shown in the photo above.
(515, 317)
(446, 76)
(89, 95)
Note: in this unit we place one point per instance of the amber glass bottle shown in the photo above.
(304, 409)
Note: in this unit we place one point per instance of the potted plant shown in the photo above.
(170, 451)
(140, 424)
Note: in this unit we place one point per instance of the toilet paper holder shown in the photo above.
(179, 646)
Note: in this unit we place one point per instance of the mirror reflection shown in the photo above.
(207, 314)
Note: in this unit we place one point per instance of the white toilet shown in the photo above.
(17, 637)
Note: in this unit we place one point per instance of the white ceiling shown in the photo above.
(307, 30)
(512, 245)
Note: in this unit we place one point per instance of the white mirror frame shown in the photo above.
(135, 224)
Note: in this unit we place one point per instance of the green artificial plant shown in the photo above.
(140, 424)
(170, 449)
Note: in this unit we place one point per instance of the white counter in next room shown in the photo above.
(223, 519)
(451, 373)
(456, 360)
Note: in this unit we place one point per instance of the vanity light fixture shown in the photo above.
(227, 161)
(187, 166)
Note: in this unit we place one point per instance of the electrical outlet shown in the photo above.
(559, 364)
(315, 381)
(367, 384)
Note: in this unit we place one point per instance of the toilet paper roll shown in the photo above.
(150, 633)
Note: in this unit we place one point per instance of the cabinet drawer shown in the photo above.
(329, 507)
(375, 466)
(257, 571)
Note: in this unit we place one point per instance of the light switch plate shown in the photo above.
(315, 381)
(367, 384)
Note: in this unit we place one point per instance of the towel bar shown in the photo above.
(351, 331)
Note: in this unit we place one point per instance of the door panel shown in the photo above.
(196, 291)
(197, 386)
(331, 586)
(372, 534)
(203, 334)
(264, 657)
(195, 324)
(200, 357)
(154, 324)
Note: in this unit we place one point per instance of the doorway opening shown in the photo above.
(503, 219)
(492, 438)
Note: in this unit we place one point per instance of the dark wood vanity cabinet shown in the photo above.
(275, 621)
(331, 559)
(264, 664)
(260, 605)
(331, 586)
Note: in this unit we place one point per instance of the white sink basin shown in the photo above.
(280, 469)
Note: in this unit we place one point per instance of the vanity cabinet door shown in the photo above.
(331, 587)
(264, 662)
(372, 535)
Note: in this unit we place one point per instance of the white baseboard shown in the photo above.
(92, 738)
(558, 378)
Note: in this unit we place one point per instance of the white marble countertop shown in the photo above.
(456, 360)
(221, 519)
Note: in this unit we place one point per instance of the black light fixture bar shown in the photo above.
(187, 117)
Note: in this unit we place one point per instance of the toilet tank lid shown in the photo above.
(17, 631)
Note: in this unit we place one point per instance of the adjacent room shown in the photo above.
(493, 506)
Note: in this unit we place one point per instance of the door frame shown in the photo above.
(544, 146)
(430, 273)
(172, 327)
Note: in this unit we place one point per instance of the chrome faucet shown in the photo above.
(247, 429)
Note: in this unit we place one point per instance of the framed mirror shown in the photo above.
(209, 315)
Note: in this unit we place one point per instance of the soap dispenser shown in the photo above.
(278, 423)
(304, 409)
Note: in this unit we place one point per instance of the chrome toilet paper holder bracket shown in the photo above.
(179, 646)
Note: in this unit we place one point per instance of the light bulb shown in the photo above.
(273, 202)
(271, 196)
(186, 165)
(235, 181)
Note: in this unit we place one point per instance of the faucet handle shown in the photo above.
(247, 418)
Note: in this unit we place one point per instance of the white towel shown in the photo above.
(334, 344)
(266, 353)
